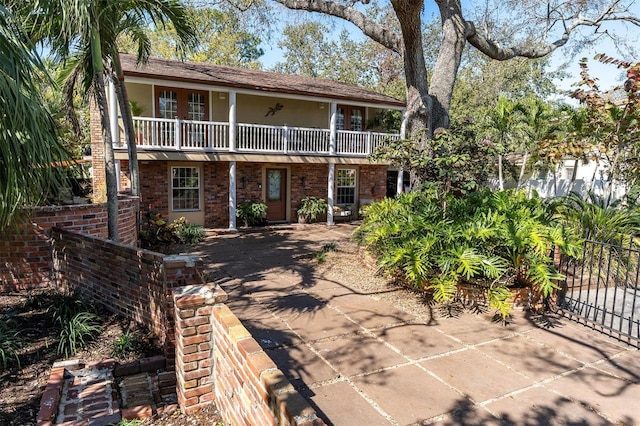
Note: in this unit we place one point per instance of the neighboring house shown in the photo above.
(212, 136)
(575, 176)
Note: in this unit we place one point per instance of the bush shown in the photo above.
(491, 239)
(126, 345)
(252, 213)
(158, 233)
(10, 342)
(311, 208)
(191, 234)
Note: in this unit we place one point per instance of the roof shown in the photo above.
(243, 78)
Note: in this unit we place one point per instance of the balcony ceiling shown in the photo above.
(242, 78)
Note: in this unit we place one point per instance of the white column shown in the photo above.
(332, 128)
(232, 196)
(330, 196)
(403, 135)
(118, 175)
(113, 113)
(232, 122)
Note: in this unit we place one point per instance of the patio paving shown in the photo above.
(361, 361)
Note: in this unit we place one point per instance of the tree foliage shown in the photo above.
(223, 39)
(613, 121)
(29, 144)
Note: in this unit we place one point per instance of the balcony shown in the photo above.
(207, 136)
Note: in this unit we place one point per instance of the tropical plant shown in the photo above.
(10, 341)
(494, 240)
(311, 208)
(29, 146)
(159, 233)
(252, 213)
(82, 34)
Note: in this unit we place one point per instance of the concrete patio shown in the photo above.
(361, 361)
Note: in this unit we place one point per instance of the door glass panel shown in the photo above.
(275, 185)
(340, 119)
(168, 104)
(196, 106)
(356, 120)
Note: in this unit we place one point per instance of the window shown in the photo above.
(350, 118)
(346, 186)
(185, 187)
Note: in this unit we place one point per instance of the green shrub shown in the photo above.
(311, 208)
(320, 256)
(191, 233)
(329, 247)
(252, 213)
(62, 307)
(492, 239)
(159, 233)
(126, 345)
(77, 332)
(10, 342)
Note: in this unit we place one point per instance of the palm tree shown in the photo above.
(84, 34)
(29, 146)
(536, 114)
(503, 124)
(130, 18)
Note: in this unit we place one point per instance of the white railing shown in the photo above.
(188, 135)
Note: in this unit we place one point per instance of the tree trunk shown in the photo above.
(419, 103)
(448, 61)
(572, 181)
(129, 131)
(522, 169)
(500, 178)
(110, 167)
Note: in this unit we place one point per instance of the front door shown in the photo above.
(276, 194)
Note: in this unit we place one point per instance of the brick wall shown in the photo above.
(25, 251)
(315, 184)
(248, 182)
(216, 194)
(154, 190)
(217, 359)
(134, 283)
(97, 154)
(373, 182)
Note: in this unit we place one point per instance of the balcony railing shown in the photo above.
(209, 136)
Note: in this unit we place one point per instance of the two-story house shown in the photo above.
(209, 137)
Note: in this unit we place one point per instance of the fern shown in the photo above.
(444, 288)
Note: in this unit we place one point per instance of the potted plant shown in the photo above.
(311, 208)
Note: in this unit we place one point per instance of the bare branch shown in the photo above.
(370, 28)
(493, 50)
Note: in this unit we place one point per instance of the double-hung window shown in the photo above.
(185, 188)
(346, 186)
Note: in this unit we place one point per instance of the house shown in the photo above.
(209, 137)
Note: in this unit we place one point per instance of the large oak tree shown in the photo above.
(539, 28)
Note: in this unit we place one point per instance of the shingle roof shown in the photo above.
(242, 78)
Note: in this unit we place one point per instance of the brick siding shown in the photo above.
(25, 251)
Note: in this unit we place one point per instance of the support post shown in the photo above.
(233, 126)
(332, 129)
(330, 195)
(232, 196)
(113, 113)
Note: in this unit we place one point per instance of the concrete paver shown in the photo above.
(360, 361)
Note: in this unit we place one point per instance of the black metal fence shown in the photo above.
(602, 289)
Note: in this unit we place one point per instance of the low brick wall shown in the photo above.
(132, 282)
(25, 251)
(217, 359)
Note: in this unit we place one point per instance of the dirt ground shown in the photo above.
(21, 386)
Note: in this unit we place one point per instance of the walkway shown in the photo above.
(361, 361)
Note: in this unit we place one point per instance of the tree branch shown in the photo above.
(370, 28)
(494, 51)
